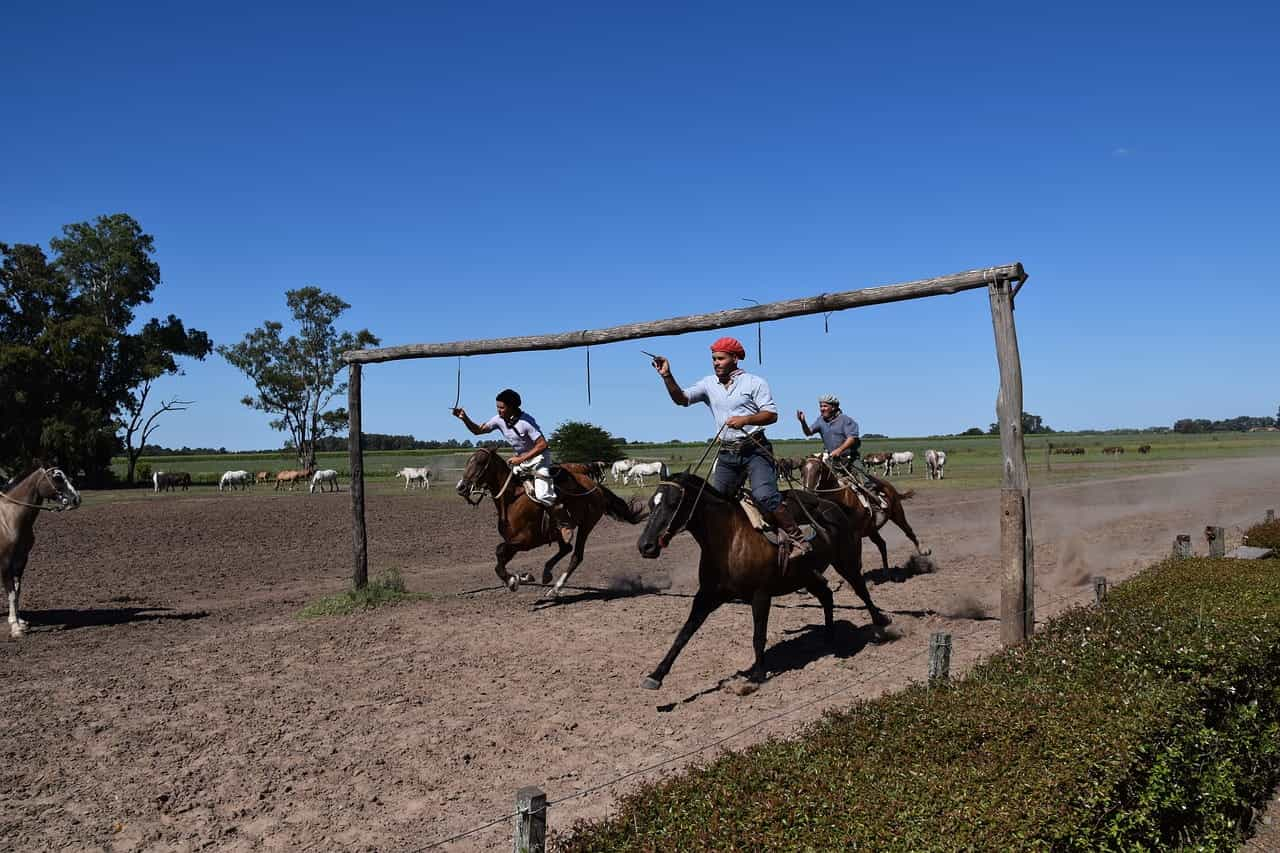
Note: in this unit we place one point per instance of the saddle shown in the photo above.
(770, 532)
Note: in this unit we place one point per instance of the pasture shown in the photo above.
(171, 696)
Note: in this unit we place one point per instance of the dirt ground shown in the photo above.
(168, 698)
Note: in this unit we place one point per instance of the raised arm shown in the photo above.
(674, 390)
(476, 429)
(804, 425)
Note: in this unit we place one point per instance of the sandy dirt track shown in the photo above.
(167, 698)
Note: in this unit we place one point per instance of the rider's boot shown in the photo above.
(781, 518)
(560, 515)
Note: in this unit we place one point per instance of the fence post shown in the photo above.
(1217, 541)
(1271, 516)
(1099, 588)
(939, 657)
(1182, 546)
(531, 820)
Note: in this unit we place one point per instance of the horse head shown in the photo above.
(813, 472)
(480, 476)
(670, 510)
(56, 487)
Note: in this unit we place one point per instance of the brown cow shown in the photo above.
(1113, 450)
(1144, 448)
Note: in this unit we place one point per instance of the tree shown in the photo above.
(71, 369)
(577, 441)
(1031, 425)
(972, 431)
(296, 377)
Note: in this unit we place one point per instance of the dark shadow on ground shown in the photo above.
(578, 594)
(95, 617)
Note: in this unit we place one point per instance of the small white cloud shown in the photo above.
(1120, 152)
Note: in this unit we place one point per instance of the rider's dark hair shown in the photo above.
(509, 397)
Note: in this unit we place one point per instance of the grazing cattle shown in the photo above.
(231, 479)
(935, 463)
(1144, 448)
(420, 476)
(639, 470)
(19, 506)
(619, 469)
(292, 478)
(905, 457)
(1112, 451)
(323, 476)
(262, 477)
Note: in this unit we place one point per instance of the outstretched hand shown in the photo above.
(661, 365)
(460, 413)
(800, 415)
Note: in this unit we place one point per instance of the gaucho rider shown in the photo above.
(532, 458)
(742, 406)
(841, 439)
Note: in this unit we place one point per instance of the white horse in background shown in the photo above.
(935, 461)
(415, 475)
(325, 475)
(619, 470)
(906, 457)
(639, 470)
(231, 479)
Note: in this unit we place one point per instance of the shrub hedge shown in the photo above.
(1264, 535)
(1152, 722)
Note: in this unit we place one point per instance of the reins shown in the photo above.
(57, 508)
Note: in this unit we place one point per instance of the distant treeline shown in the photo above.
(1244, 423)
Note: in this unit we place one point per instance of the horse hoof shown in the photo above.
(880, 620)
(925, 552)
(651, 683)
(525, 577)
(16, 631)
(546, 578)
(513, 582)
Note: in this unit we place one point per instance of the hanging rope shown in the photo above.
(588, 376)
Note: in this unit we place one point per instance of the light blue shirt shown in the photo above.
(522, 435)
(746, 394)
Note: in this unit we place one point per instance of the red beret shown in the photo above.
(733, 346)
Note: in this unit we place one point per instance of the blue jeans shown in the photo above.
(734, 466)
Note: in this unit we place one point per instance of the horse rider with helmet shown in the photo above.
(532, 458)
(742, 406)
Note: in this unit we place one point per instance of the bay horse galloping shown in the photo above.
(19, 507)
(739, 563)
(524, 524)
(817, 477)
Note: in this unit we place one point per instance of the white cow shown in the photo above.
(620, 468)
(231, 479)
(415, 475)
(325, 475)
(639, 470)
(906, 457)
(935, 461)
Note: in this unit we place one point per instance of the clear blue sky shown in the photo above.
(485, 169)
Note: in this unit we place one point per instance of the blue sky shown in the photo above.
(475, 169)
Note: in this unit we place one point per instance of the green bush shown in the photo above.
(1151, 723)
(388, 588)
(1265, 535)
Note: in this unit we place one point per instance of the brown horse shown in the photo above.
(817, 477)
(739, 563)
(19, 507)
(524, 524)
(293, 478)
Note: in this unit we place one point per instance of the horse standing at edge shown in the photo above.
(739, 563)
(523, 523)
(817, 477)
(19, 507)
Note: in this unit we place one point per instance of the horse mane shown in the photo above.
(690, 480)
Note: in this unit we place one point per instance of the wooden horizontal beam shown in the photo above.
(821, 304)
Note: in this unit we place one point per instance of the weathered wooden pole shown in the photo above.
(1099, 588)
(1182, 546)
(1217, 541)
(531, 821)
(939, 657)
(1017, 548)
(360, 547)
(1271, 516)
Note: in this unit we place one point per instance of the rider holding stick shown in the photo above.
(742, 406)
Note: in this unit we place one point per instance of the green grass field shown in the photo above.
(971, 461)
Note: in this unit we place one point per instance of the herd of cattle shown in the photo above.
(1109, 451)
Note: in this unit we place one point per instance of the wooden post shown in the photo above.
(359, 543)
(1017, 547)
(531, 821)
(1271, 516)
(939, 657)
(1099, 588)
(1182, 546)
(1217, 541)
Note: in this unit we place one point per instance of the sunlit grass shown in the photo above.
(387, 589)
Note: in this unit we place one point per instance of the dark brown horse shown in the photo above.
(817, 477)
(524, 524)
(739, 563)
(19, 507)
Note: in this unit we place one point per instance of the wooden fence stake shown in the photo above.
(1217, 541)
(1182, 546)
(939, 657)
(1271, 516)
(1099, 588)
(531, 821)
(355, 449)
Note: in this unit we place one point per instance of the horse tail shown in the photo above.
(907, 495)
(619, 510)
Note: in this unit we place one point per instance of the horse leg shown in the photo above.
(704, 603)
(760, 604)
(900, 518)
(559, 555)
(13, 587)
(505, 551)
(817, 587)
(849, 567)
(875, 537)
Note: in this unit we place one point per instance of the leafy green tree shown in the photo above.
(1031, 425)
(296, 377)
(578, 441)
(974, 431)
(71, 370)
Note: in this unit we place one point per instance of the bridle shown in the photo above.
(476, 492)
(57, 507)
(673, 528)
(834, 476)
